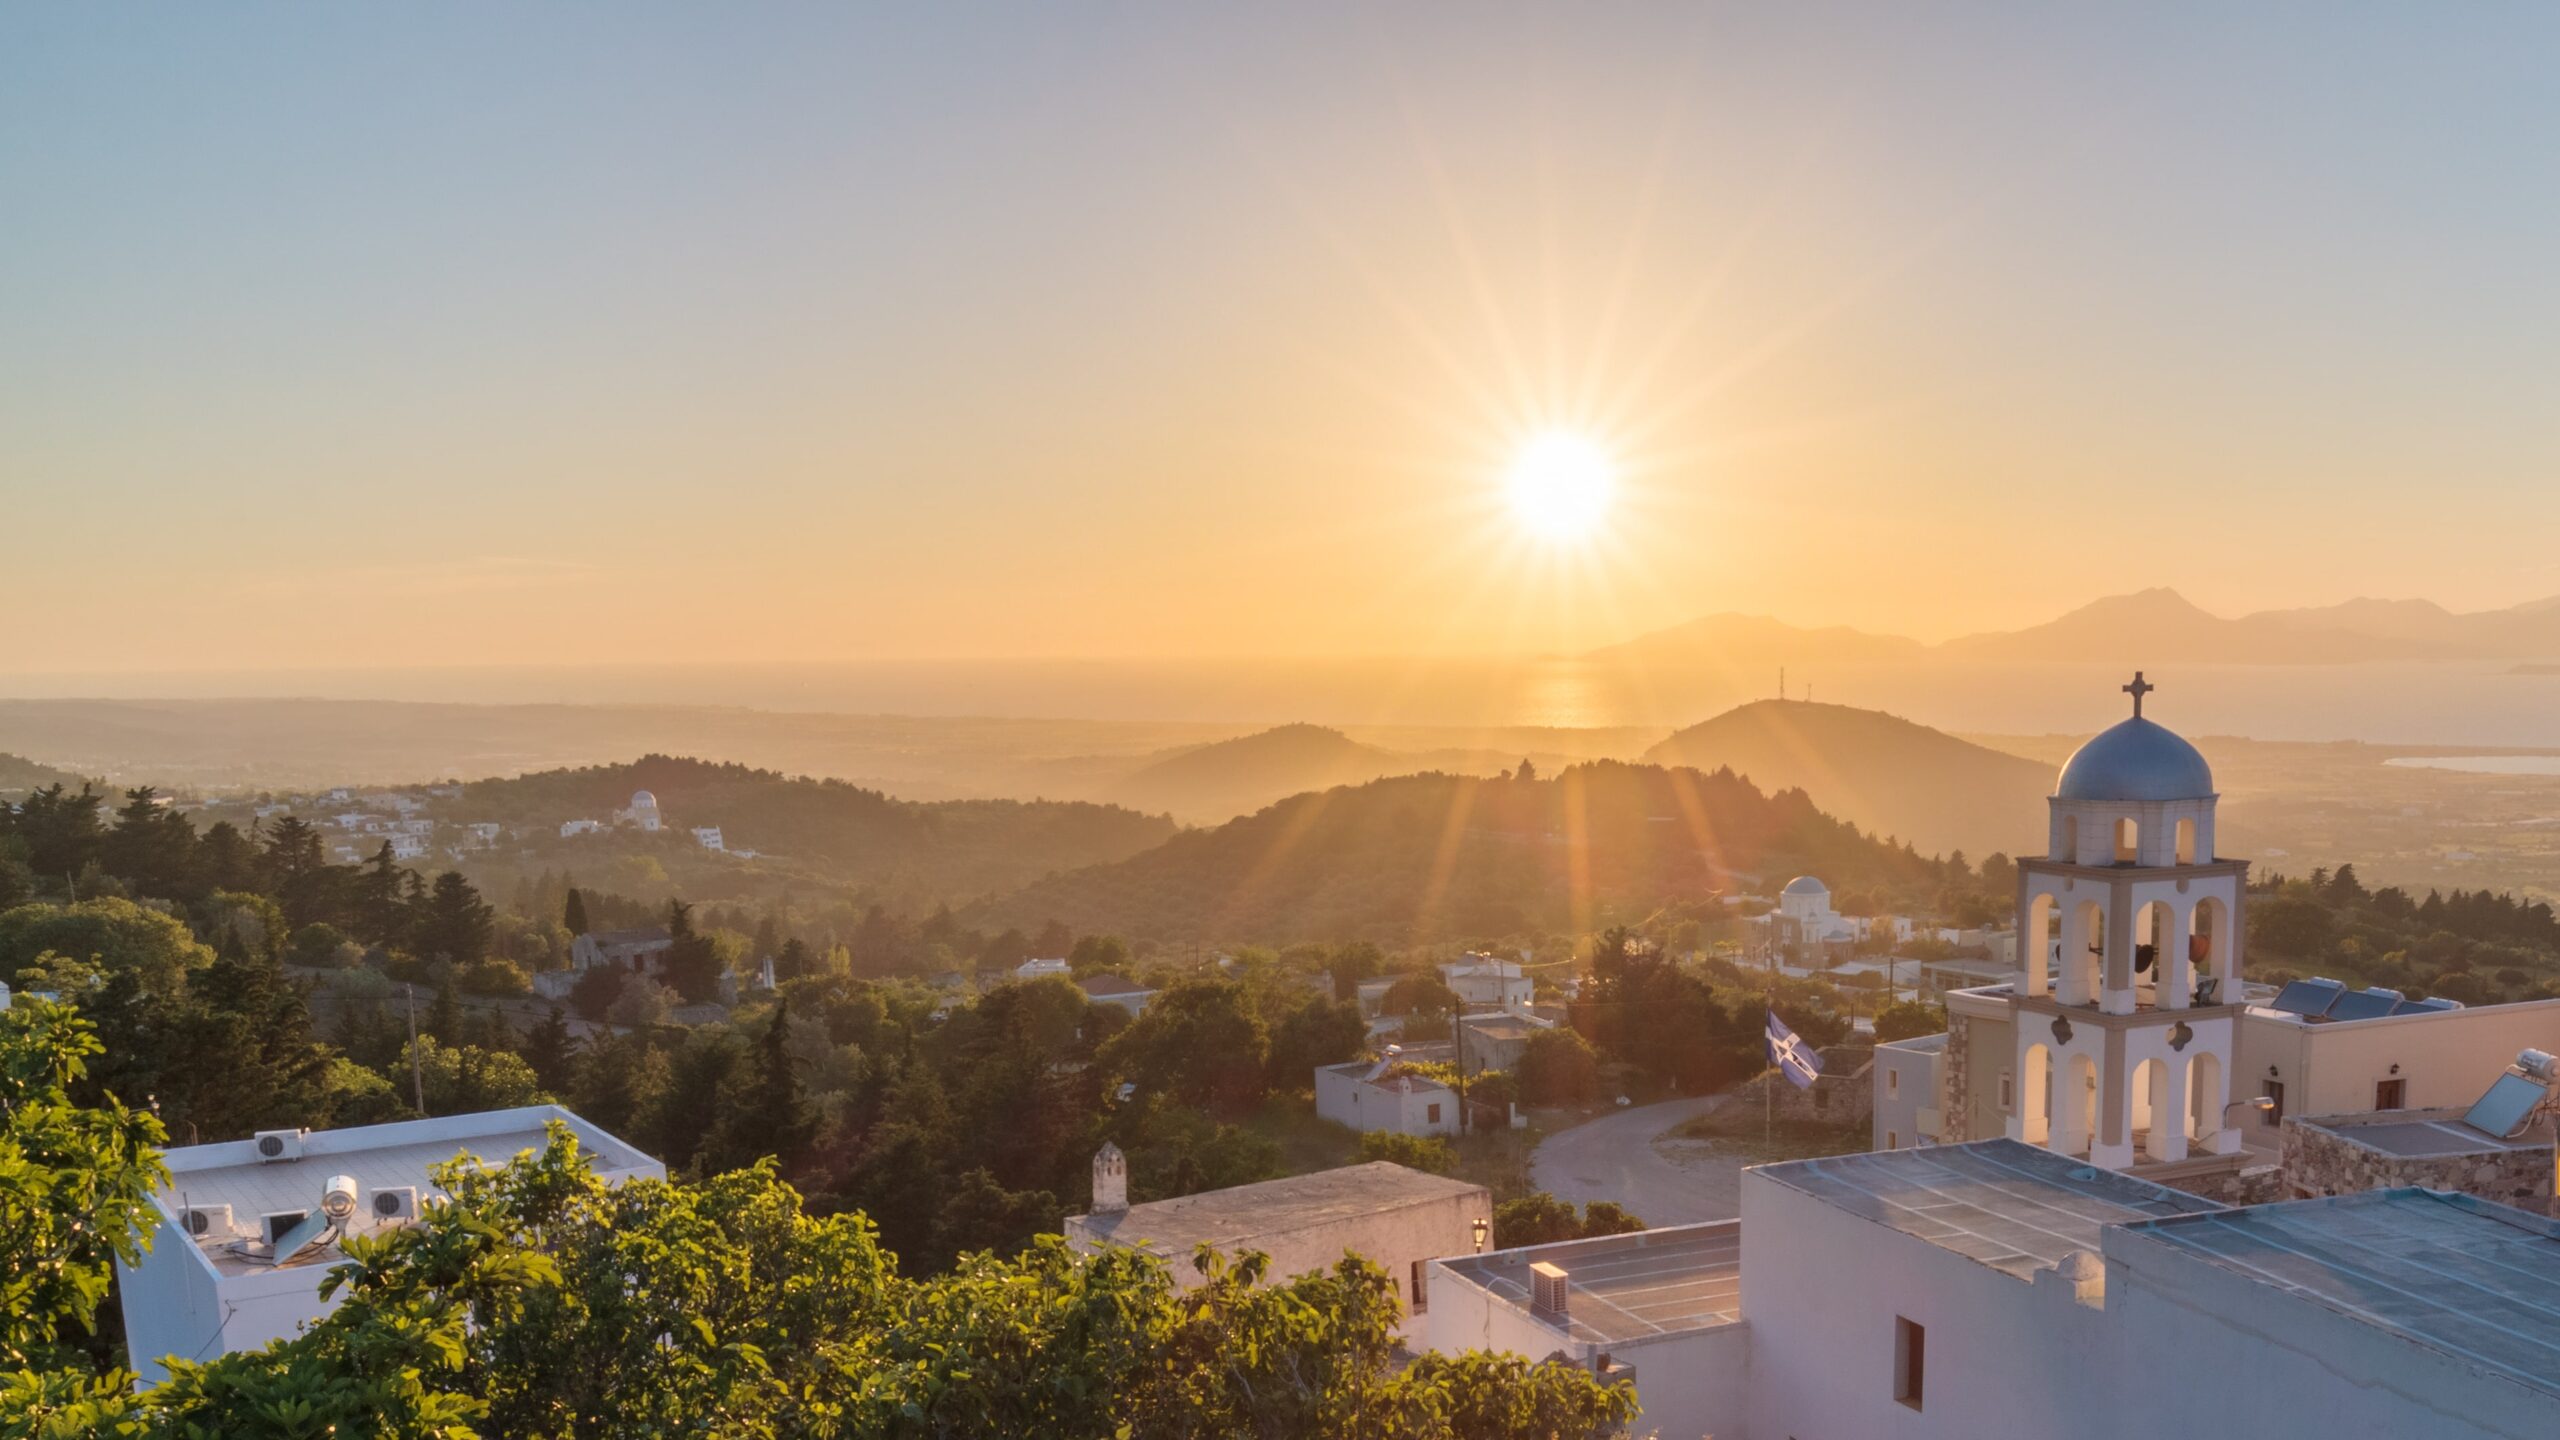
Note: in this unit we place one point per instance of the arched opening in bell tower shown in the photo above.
(2084, 947)
(2039, 946)
(2128, 840)
(2187, 842)
(2035, 1096)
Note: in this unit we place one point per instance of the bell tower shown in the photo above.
(2127, 990)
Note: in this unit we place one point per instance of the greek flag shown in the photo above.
(1795, 1059)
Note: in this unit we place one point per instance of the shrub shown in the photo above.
(1427, 1153)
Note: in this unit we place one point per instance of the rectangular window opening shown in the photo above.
(1910, 1352)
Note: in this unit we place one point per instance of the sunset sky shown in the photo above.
(370, 334)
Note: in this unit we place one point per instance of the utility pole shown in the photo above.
(1458, 1041)
(417, 1072)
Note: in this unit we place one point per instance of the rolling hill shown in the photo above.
(1878, 771)
(949, 848)
(1434, 857)
(1211, 784)
(19, 774)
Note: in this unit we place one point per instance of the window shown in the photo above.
(1910, 1349)
(1432, 1115)
(2391, 1095)
(1893, 1082)
(2274, 1090)
(1421, 1290)
(1892, 1140)
(2008, 1090)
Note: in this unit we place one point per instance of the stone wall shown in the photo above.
(1843, 1094)
(1955, 1083)
(2322, 1157)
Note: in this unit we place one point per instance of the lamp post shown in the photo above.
(1482, 1227)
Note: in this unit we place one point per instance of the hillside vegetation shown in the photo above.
(18, 774)
(1877, 771)
(1421, 858)
(950, 848)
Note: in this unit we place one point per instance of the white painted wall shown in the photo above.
(2447, 1056)
(1345, 1097)
(1906, 1084)
(2253, 1360)
(1821, 1289)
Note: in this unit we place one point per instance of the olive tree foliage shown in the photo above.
(546, 1304)
(75, 1184)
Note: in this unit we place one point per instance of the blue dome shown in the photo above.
(2136, 760)
(1805, 885)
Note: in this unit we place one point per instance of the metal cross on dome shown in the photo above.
(2139, 688)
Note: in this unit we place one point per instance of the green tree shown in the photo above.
(1557, 1067)
(1904, 1019)
(1428, 1153)
(550, 1050)
(761, 1112)
(693, 966)
(574, 913)
(457, 923)
(1198, 1043)
(75, 1184)
(1319, 1032)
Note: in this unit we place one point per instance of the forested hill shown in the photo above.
(1423, 858)
(967, 846)
(1879, 771)
(17, 774)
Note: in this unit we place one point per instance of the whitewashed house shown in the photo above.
(246, 1230)
(1368, 1095)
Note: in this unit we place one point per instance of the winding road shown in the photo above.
(1615, 1158)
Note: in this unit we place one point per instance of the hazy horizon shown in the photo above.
(1149, 332)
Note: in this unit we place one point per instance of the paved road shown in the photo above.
(1615, 1158)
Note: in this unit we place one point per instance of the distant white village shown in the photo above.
(358, 821)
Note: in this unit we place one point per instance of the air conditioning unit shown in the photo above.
(395, 1205)
(1550, 1290)
(278, 1145)
(206, 1222)
(277, 1224)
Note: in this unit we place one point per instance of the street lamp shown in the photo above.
(1482, 1227)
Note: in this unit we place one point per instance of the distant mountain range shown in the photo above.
(1877, 771)
(2157, 626)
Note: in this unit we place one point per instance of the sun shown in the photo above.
(1561, 485)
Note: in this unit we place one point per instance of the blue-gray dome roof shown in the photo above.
(1805, 885)
(2136, 760)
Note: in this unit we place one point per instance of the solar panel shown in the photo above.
(2309, 997)
(2414, 1007)
(2365, 1004)
(2505, 1108)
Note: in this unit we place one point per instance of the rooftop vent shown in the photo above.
(1550, 1290)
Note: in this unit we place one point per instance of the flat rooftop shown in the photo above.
(379, 1157)
(2472, 1279)
(1626, 1287)
(1241, 1215)
(2418, 1134)
(2013, 1207)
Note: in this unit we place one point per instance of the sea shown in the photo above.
(2438, 704)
